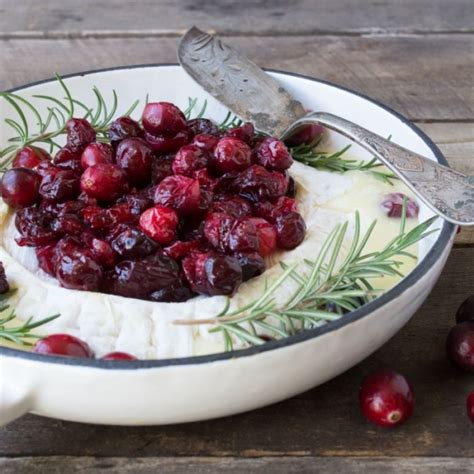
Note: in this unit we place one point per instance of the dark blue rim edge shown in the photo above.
(365, 310)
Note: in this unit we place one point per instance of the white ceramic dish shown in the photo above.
(152, 392)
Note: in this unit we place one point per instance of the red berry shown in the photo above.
(245, 132)
(30, 157)
(118, 356)
(179, 249)
(163, 144)
(460, 345)
(205, 142)
(59, 185)
(267, 236)
(63, 345)
(392, 205)
(135, 157)
(189, 159)
(470, 406)
(132, 243)
(202, 126)
(104, 181)
(122, 128)
(251, 263)
(386, 398)
(231, 154)
(67, 224)
(233, 206)
(79, 134)
(96, 153)
(270, 211)
(291, 229)
(180, 193)
(20, 187)
(160, 224)
(46, 256)
(465, 312)
(67, 159)
(306, 135)
(102, 252)
(273, 154)
(163, 118)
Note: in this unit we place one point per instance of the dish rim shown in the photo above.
(420, 270)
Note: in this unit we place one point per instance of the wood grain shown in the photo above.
(438, 88)
(149, 17)
(205, 465)
(322, 422)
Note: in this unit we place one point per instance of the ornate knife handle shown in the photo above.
(448, 193)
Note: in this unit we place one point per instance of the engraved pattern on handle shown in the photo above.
(448, 192)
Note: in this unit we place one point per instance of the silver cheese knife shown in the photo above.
(254, 96)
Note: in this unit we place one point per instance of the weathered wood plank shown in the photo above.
(321, 422)
(228, 16)
(424, 77)
(204, 465)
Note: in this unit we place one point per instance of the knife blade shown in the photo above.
(238, 83)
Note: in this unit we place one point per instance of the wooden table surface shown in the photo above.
(417, 56)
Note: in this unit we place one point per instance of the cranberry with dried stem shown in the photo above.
(392, 205)
(460, 346)
(231, 154)
(20, 187)
(30, 157)
(160, 224)
(96, 153)
(79, 134)
(63, 345)
(104, 181)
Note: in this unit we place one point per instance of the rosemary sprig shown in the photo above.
(18, 334)
(325, 290)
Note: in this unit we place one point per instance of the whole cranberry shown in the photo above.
(273, 154)
(470, 406)
(96, 153)
(163, 144)
(217, 227)
(306, 135)
(133, 243)
(465, 312)
(244, 132)
(79, 134)
(176, 293)
(163, 118)
(243, 236)
(199, 126)
(67, 224)
(104, 181)
(179, 249)
(266, 234)
(392, 205)
(179, 193)
(135, 157)
(122, 128)
(63, 345)
(97, 218)
(251, 263)
(118, 356)
(121, 213)
(291, 230)
(44, 167)
(59, 185)
(67, 159)
(102, 252)
(189, 159)
(233, 206)
(224, 275)
(138, 202)
(20, 187)
(231, 154)
(386, 398)
(205, 142)
(271, 210)
(30, 157)
(75, 269)
(160, 224)
(460, 345)
(46, 256)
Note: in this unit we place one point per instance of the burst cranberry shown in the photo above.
(29, 157)
(59, 185)
(67, 159)
(252, 264)
(118, 356)
(180, 193)
(291, 230)
(267, 236)
(306, 135)
(20, 187)
(77, 270)
(460, 345)
(163, 118)
(121, 213)
(465, 312)
(243, 237)
(135, 157)
(258, 184)
(163, 144)
(386, 398)
(470, 406)
(217, 227)
(160, 224)
(273, 154)
(97, 218)
(200, 126)
(231, 154)
(4, 285)
(33, 228)
(177, 250)
(132, 243)
(244, 133)
(189, 158)
(270, 211)
(63, 345)
(233, 206)
(67, 224)
(104, 181)
(392, 205)
(79, 134)
(205, 142)
(96, 153)
(122, 128)
(138, 203)
(44, 167)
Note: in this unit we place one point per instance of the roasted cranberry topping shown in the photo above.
(160, 224)
(67, 159)
(180, 193)
(63, 345)
(135, 157)
(46, 256)
(122, 128)
(30, 157)
(104, 181)
(163, 118)
(273, 154)
(133, 243)
(252, 264)
(205, 142)
(20, 187)
(79, 134)
(231, 154)
(59, 185)
(244, 133)
(266, 235)
(200, 125)
(270, 211)
(232, 205)
(291, 230)
(189, 159)
(96, 153)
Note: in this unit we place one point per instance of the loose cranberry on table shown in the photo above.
(118, 356)
(96, 153)
(30, 157)
(79, 134)
(105, 181)
(231, 154)
(386, 398)
(63, 345)
(392, 205)
(180, 193)
(273, 154)
(460, 346)
(470, 406)
(135, 157)
(291, 230)
(122, 128)
(465, 312)
(160, 224)
(20, 187)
